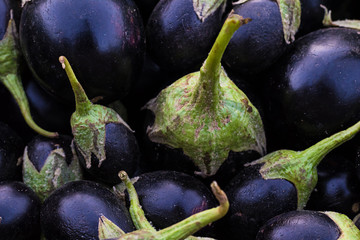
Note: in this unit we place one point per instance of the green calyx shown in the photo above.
(299, 167)
(108, 230)
(347, 227)
(55, 173)
(205, 114)
(89, 120)
(328, 22)
(179, 231)
(204, 8)
(10, 77)
(290, 11)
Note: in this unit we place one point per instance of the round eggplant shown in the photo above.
(48, 163)
(168, 197)
(19, 212)
(297, 225)
(104, 40)
(313, 91)
(73, 211)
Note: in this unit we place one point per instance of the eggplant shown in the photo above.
(168, 197)
(313, 90)
(73, 211)
(50, 163)
(105, 41)
(296, 225)
(104, 143)
(180, 230)
(19, 212)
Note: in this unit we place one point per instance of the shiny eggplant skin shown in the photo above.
(122, 153)
(73, 210)
(167, 197)
(19, 212)
(313, 91)
(253, 201)
(104, 41)
(298, 225)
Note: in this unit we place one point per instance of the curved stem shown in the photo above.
(83, 104)
(9, 76)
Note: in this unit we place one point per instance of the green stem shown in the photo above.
(199, 220)
(136, 212)
(207, 90)
(318, 151)
(9, 76)
(83, 104)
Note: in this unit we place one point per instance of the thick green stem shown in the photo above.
(136, 212)
(318, 151)
(83, 104)
(207, 90)
(199, 220)
(9, 76)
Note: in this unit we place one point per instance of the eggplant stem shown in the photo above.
(83, 104)
(207, 90)
(136, 212)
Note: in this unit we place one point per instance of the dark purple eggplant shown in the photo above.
(104, 143)
(50, 163)
(180, 230)
(313, 91)
(11, 148)
(104, 40)
(299, 225)
(180, 33)
(73, 211)
(19, 212)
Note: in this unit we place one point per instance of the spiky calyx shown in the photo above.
(89, 120)
(300, 167)
(55, 172)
